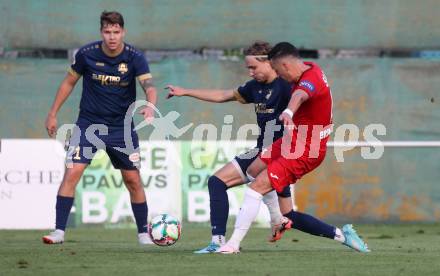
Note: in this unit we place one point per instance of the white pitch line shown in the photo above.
(396, 144)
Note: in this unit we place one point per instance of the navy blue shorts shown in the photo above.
(86, 140)
(243, 161)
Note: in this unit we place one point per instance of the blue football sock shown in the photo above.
(140, 212)
(307, 223)
(63, 206)
(219, 204)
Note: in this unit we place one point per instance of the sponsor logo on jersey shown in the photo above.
(274, 176)
(106, 79)
(326, 132)
(100, 64)
(307, 85)
(261, 108)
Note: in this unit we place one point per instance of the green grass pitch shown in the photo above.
(411, 249)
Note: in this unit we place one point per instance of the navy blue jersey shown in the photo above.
(109, 83)
(270, 100)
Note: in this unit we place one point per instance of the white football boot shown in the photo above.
(54, 237)
(144, 239)
(228, 249)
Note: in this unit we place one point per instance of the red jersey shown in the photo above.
(287, 161)
(315, 113)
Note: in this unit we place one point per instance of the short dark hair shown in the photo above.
(258, 48)
(111, 17)
(283, 49)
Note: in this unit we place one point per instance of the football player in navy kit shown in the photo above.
(270, 95)
(109, 69)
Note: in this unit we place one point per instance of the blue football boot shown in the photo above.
(352, 239)
(211, 248)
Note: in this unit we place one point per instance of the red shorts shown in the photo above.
(283, 169)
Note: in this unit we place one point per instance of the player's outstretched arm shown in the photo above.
(209, 95)
(63, 93)
(298, 97)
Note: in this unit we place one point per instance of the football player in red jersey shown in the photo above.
(307, 122)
